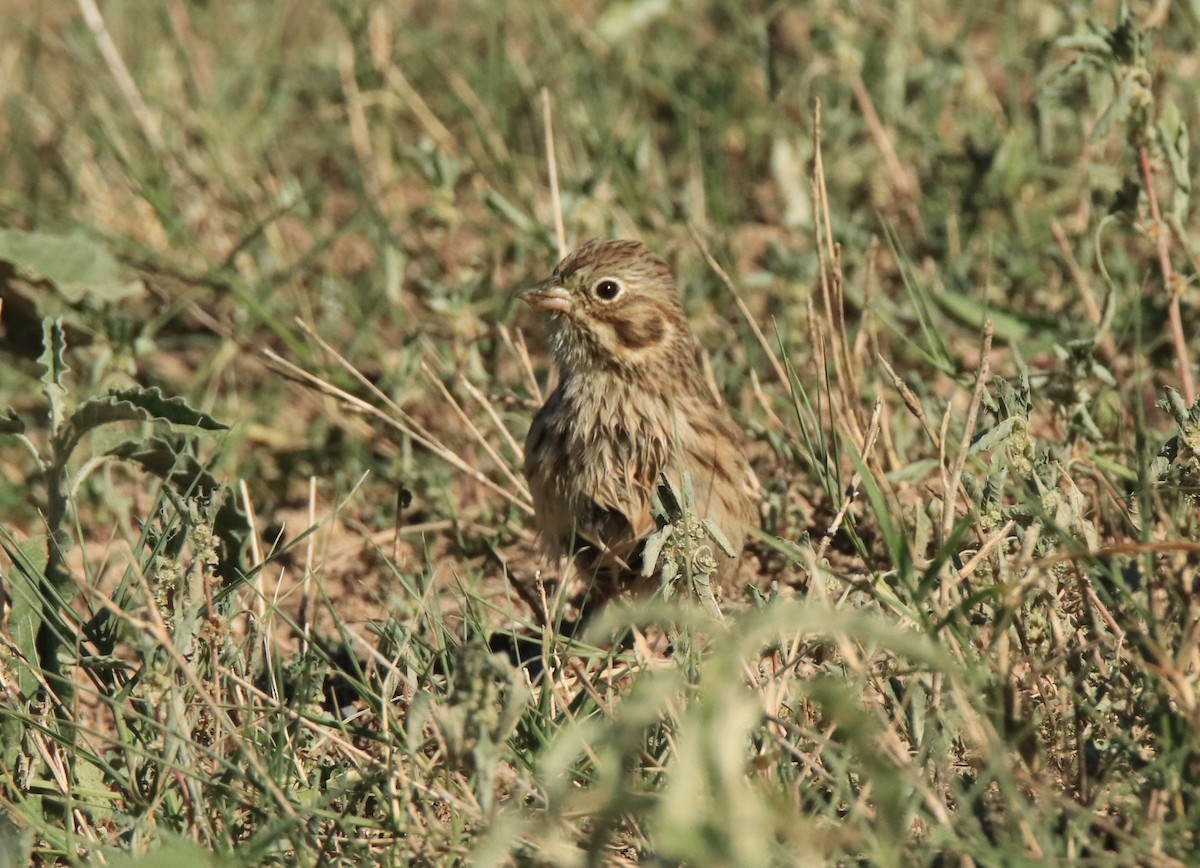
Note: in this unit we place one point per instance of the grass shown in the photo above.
(270, 583)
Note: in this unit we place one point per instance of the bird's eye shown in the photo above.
(607, 289)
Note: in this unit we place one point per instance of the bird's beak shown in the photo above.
(547, 295)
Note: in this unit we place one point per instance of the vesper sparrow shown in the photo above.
(631, 404)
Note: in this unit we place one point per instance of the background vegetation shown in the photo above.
(270, 588)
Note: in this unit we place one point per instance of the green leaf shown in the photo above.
(718, 536)
(652, 549)
(145, 404)
(506, 209)
(55, 368)
(993, 437)
(130, 405)
(913, 471)
(77, 267)
(170, 462)
(174, 852)
(969, 311)
(16, 844)
(184, 472)
(29, 558)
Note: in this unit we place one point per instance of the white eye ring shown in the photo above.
(607, 289)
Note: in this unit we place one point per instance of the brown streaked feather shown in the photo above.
(631, 404)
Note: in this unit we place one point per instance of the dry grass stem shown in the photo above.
(401, 422)
(1171, 284)
(560, 233)
(855, 480)
(747, 317)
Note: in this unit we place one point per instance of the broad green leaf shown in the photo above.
(131, 405)
(77, 267)
(143, 404)
(16, 844)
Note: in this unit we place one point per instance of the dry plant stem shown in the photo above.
(871, 349)
(1125, 548)
(120, 72)
(583, 675)
(157, 628)
(830, 271)
(475, 432)
(1106, 615)
(778, 735)
(1181, 233)
(1161, 241)
(887, 445)
(484, 121)
(401, 422)
(993, 541)
(360, 130)
(386, 665)
(760, 396)
(416, 103)
(839, 309)
(1095, 315)
(866, 340)
(710, 379)
(943, 467)
(1115, 498)
(903, 180)
(816, 339)
(516, 345)
(912, 402)
(960, 461)
(490, 408)
(820, 196)
(817, 591)
(256, 558)
(560, 233)
(832, 287)
(12, 694)
(741, 305)
(302, 617)
(1077, 275)
(198, 63)
(855, 480)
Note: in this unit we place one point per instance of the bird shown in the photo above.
(631, 408)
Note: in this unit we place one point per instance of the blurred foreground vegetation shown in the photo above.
(270, 587)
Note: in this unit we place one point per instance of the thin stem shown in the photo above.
(1168, 277)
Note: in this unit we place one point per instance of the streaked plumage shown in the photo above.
(631, 403)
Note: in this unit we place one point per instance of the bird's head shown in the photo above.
(613, 306)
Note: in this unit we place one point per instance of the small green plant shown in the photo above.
(684, 548)
(1117, 61)
(43, 609)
